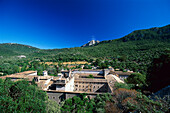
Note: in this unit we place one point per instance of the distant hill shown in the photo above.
(138, 46)
(11, 49)
(6, 52)
(135, 50)
(159, 33)
(91, 43)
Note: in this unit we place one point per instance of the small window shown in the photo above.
(53, 97)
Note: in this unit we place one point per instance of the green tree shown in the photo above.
(40, 72)
(78, 104)
(137, 79)
(123, 85)
(16, 69)
(90, 76)
(52, 107)
(20, 96)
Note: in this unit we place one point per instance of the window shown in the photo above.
(53, 97)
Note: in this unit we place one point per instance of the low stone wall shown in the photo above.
(60, 96)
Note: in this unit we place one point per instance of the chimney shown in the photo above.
(70, 73)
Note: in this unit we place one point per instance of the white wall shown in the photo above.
(60, 88)
(45, 73)
(33, 73)
(70, 85)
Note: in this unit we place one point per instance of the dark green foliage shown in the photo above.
(138, 79)
(52, 107)
(17, 48)
(134, 51)
(7, 52)
(147, 105)
(8, 68)
(100, 101)
(78, 105)
(153, 33)
(123, 85)
(20, 65)
(84, 105)
(20, 96)
(33, 82)
(158, 75)
(39, 72)
(90, 76)
(86, 66)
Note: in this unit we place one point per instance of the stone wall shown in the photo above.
(60, 96)
(88, 86)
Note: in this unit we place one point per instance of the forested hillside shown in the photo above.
(10, 49)
(6, 52)
(135, 50)
(152, 41)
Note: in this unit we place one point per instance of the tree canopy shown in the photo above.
(20, 96)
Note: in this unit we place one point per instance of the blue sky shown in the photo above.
(71, 23)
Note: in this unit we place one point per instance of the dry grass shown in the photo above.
(65, 63)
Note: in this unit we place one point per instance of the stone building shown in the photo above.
(71, 83)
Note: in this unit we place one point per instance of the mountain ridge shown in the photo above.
(91, 43)
(138, 39)
(167, 27)
(10, 49)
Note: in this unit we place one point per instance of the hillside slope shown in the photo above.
(159, 33)
(134, 51)
(10, 49)
(150, 42)
(140, 45)
(6, 52)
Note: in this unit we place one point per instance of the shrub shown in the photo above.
(123, 85)
(90, 76)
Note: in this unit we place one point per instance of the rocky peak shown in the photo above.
(90, 43)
